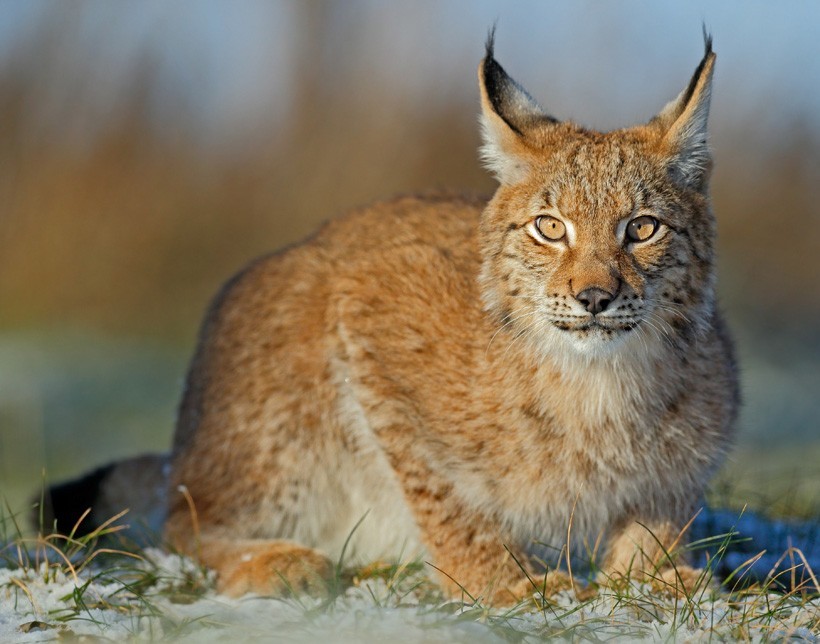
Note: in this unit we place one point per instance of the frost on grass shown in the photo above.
(640, 613)
(164, 596)
(115, 596)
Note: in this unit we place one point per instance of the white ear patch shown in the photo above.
(694, 157)
(505, 166)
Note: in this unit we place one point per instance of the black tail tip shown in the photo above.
(65, 504)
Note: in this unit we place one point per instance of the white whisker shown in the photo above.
(504, 326)
(671, 309)
(658, 324)
(519, 335)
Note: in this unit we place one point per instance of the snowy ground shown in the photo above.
(168, 597)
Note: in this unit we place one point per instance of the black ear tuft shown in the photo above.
(490, 44)
(707, 41)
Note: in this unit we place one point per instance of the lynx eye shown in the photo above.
(641, 228)
(550, 228)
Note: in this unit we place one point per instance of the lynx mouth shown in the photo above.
(607, 328)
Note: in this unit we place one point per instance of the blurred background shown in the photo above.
(149, 149)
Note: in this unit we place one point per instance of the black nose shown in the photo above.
(595, 300)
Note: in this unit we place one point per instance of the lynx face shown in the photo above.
(596, 242)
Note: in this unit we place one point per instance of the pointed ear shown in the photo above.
(683, 125)
(507, 110)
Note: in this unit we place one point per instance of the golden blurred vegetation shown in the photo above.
(134, 228)
(131, 228)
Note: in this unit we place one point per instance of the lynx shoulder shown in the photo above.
(455, 379)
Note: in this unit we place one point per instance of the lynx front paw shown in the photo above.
(681, 581)
(544, 586)
(267, 568)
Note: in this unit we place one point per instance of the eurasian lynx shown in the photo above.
(453, 379)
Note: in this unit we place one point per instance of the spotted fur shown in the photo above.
(423, 377)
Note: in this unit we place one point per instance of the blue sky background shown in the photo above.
(601, 62)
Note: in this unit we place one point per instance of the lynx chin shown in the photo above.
(457, 379)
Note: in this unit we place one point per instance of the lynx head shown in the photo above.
(596, 242)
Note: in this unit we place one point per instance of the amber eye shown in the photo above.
(550, 228)
(641, 228)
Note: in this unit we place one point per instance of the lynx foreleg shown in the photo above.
(474, 558)
(650, 551)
